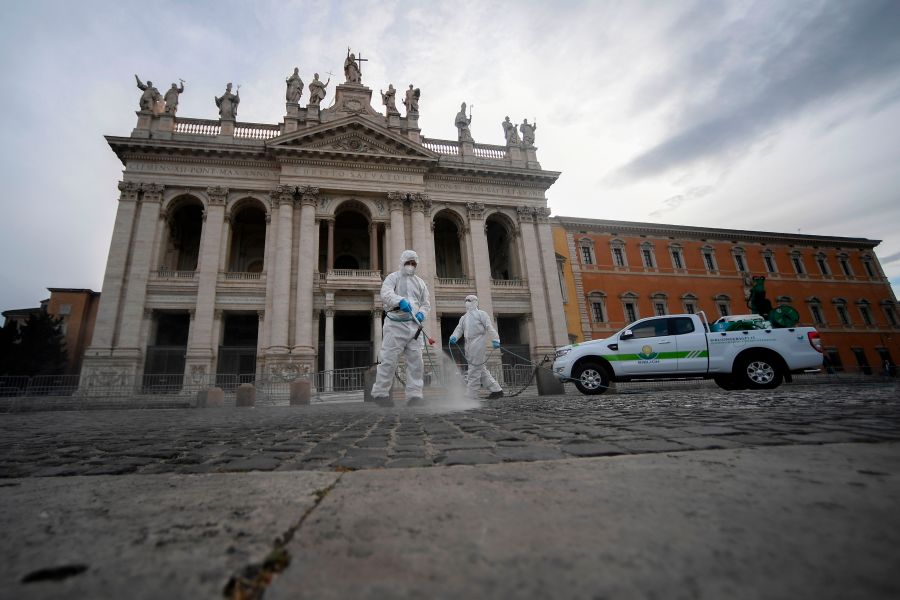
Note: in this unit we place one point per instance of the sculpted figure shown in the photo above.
(527, 130)
(150, 96)
(351, 69)
(509, 130)
(389, 100)
(228, 103)
(172, 97)
(411, 101)
(317, 90)
(462, 124)
(294, 87)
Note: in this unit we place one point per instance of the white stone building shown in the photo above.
(259, 249)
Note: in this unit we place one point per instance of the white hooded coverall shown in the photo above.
(400, 328)
(476, 327)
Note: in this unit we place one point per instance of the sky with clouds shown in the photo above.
(771, 115)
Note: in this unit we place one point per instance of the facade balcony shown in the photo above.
(172, 275)
(455, 283)
(350, 279)
(509, 284)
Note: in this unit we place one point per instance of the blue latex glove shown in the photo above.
(496, 343)
(453, 339)
(404, 305)
(420, 316)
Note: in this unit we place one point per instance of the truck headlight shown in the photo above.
(562, 352)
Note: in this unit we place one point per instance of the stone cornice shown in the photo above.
(708, 233)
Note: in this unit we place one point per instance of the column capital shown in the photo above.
(376, 313)
(148, 312)
(475, 210)
(217, 194)
(542, 214)
(282, 194)
(217, 313)
(329, 311)
(309, 195)
(421, 203)
(261, 314)
(129, 191)
(525, 214)
(395, 200)
(152, 192)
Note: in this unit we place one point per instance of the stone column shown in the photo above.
(200, 350)
(266, 331)
(138, 273)
(329, 265)
(114, 276)
(303, 333)
(329, 348)
(482, 263)
(398, 228)
(260, 343)
(543, 341)
(423, 244)
(376, 331)
(373, 246)
(559, 333)
(282, 197)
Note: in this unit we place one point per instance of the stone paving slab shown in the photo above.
(802, 522)
(144, 536)
(363, 436)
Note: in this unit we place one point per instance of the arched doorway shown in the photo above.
(501, 248)
(345, 242)
(447, 246)
(184, 227)
(248, 239)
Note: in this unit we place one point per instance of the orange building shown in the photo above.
(614, 272)
(78, 310)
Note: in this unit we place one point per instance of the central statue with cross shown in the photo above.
(352, 70)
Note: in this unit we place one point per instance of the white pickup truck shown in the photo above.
(681, 346)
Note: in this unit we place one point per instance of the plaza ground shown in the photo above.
(693, 493)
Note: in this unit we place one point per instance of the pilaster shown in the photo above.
(398, 226)
(480, 253)
(283, 199)
(533, 259)
(307, 258)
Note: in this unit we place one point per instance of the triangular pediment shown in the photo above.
(350, 136)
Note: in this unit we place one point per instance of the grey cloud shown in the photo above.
(805, 62)
(890, 258)
(674, 202)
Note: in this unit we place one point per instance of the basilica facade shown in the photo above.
(259, 249)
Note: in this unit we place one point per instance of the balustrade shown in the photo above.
(490, 151)
(197, 126)
(455, 281)
(241, 276)
(509, 283)
(256, 131)
(448, 147)
(167, 274)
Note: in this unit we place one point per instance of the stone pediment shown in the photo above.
(350, 136)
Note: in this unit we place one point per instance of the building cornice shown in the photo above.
(709, 233)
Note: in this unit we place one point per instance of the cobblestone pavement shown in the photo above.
(362, 436)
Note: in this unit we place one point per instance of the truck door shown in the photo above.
(690, 344)
(649, 348)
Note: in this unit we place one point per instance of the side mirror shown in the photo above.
(626, 335)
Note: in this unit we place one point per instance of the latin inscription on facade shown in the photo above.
(203, 170)
(352, 174)
(474, 188)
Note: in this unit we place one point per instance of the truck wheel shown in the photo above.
(728, 382)
(759, 373)
(591, 378)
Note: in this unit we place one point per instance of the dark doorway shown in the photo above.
(164, 365)
(184, 230)
(237, 354)
(352, 341)
(448, 325)
(447, 252)
(511, 338)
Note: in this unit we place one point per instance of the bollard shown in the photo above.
(547, 383)
(246, 395)
(300, 392)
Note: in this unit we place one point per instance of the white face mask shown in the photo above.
(409, 269)
(471, 305)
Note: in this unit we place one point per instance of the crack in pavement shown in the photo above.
(250, 583)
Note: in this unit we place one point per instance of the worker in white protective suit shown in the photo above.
(403, 295)
(477, 328)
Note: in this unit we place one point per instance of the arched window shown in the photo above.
(689, 302)
(815, 310)
(844, 261)
(740, 259)
(723, 304)
(865, 311)
(248, 238)
(676, 253)
(797, 262)
(822, 263)
(890, 312)
(648, 255)
(869, 265)
(769, 261)
(501, 248)
(619, 258)
(660, 302)
(586, 246)
(709, 259)
(840, 307)
(448, 253)
(630, 307)
(597, 304)
(184, 228)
